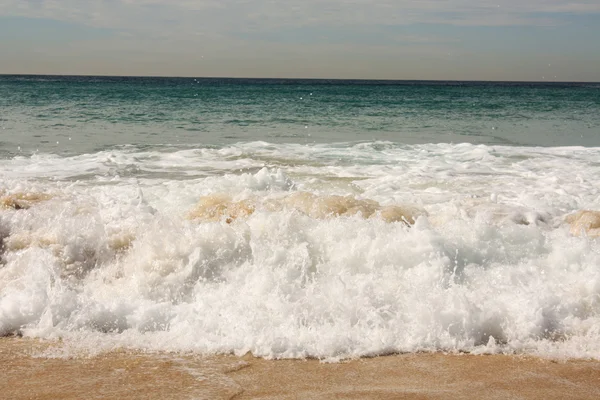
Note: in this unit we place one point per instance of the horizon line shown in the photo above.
(294, 79)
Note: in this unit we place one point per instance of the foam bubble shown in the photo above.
(312, 264)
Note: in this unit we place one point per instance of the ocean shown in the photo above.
(300, 218)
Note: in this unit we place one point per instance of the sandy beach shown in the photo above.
(30, 371)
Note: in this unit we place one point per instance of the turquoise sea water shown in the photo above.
(82, 114)
(289, 218)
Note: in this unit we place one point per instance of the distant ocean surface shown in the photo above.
(300, 218)
(74, 115)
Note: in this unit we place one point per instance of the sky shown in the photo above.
(523, 40)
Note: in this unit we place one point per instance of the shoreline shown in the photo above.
(29, 373)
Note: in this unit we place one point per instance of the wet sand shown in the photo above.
(27, 372)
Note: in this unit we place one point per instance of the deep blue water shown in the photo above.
(75, 114)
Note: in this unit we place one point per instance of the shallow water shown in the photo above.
(110, 257)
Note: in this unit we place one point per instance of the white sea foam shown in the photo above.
(110, 258)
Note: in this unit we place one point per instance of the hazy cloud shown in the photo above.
(343, 38)
(220, 16)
